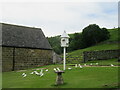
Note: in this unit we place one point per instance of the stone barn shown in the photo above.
(24, 47)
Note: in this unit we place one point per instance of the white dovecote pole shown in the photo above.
(64, 44)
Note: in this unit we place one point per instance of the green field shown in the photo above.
(87, 77)
(113, 34)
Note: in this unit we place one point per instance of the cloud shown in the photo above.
(54, 17)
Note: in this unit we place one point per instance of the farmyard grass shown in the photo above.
(87, 77)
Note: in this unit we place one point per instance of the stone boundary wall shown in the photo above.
(24, 58)
(74, 59)
(100, 55)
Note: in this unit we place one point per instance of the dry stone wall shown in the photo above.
(23, 58)
(100, 55)
(74, 60)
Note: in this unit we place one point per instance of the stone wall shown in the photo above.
(7, 59)
(23, 58)
(74, 59)
(100, 55)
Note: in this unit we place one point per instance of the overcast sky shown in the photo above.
(55, 17)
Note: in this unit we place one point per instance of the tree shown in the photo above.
(93, 34)
(76, 42)
(55, 44)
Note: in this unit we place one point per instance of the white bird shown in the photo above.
(90, 63)
(41, 73)
(32, 73)
(36, 72)
(55, 69)
(112, 65)
(46, 70)
(23, 74)
(96, 63)
(76, 65)
(80, 66)
(69, 68)
(58, 69)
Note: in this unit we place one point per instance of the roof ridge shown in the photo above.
(21, 26)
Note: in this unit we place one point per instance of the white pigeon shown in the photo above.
(24, 75)
(36, 72)
(32, 73)
(69, 68)
(46, 70)
(80, 66)
(90, 63)
(55, 69)
(96, 63)
(76, 65)
(58, 69)
(112, 65)
(41, 73)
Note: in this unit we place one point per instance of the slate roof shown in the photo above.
(22, 36)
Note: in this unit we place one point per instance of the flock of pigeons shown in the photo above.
(35, 72)
(56, 69)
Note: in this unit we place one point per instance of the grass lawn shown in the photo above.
(87, 77)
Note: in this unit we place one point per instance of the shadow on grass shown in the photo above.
(113, 85)
(58, 86)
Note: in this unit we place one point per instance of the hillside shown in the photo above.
(105, 45)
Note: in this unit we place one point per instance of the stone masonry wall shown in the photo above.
(23, 58)
(7, 59)
(100, 55)
(74, 60)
